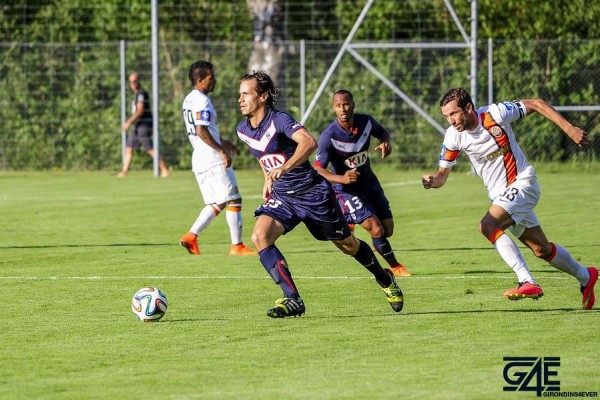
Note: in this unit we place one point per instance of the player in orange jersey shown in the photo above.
(486, 136)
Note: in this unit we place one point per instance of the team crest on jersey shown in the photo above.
(270, 161)
(357, 159)
(496, 131)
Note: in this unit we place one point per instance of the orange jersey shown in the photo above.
(491, 147)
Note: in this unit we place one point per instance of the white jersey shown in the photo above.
(491, 147)
(199, 110)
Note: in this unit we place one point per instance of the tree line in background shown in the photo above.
(60, 83)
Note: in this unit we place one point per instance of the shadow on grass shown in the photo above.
(503, 311)
(399, 315)
(58, 246)
(436, 249)
(285, 248)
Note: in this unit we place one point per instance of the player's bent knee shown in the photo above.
(258, 239)
(377, 231)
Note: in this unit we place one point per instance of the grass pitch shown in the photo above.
(74, 248)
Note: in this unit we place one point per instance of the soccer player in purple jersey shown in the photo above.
(294, 192)
(345, 145)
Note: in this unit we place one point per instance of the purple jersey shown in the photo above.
(272, 145)
(348, 150)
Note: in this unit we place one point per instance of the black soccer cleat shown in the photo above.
(287, 307)
(394, 294)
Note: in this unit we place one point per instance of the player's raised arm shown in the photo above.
(577, 135)
(437, 179)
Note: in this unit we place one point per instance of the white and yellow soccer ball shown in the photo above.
(149, 304)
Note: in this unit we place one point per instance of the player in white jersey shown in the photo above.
(486, 136)
(211, 162)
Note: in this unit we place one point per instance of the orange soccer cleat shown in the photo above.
(400, 270)
(525, 290)
(189, 242)
(588, 290)
(241, 249)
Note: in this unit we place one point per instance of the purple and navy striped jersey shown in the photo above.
(348, 150)
(272, 145)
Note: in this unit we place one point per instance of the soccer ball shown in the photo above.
(149, 304)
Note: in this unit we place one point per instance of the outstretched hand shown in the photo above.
(427, 181)
(578, 135)
(385, 148)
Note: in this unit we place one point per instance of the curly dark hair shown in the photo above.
(264, 84)
(461, 96)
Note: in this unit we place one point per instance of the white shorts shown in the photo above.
(218, 185)
(519, 200)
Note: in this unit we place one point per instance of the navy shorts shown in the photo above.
(316, 207)
(357, 209)
(140, 136)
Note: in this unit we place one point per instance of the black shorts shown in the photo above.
(140, 136)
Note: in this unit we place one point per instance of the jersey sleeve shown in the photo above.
(450, 150)
(377, 129)
(202, 112)
(511, 110)
(322, 157)
(286, 124)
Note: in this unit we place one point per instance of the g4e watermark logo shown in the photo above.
(531, 374)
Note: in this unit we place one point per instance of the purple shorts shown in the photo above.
(315, 206)
(357, 209)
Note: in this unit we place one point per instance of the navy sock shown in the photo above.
(383, 247)
(367, 258)
(275, 264)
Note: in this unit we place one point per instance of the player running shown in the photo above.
(294, 192)
(486, 136)
(345, 144)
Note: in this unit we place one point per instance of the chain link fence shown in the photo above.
(60, 89)
(60, 103)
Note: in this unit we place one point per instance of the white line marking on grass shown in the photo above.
(402, 183)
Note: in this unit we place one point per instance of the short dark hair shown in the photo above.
(264, 84)
(199, 70)
(346, 92)
(461, 96)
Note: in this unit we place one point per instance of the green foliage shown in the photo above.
(60, 84)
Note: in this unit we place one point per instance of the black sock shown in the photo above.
(367, 258)
(383, 247)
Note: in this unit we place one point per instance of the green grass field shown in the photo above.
(74, 248)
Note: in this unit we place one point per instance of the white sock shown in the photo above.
(208, 213)
(563, 261)
(511, 255)
(234, 220)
